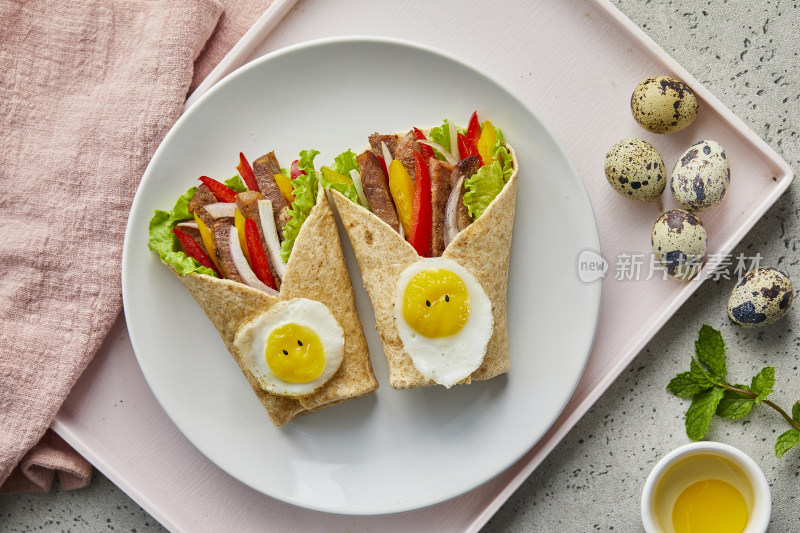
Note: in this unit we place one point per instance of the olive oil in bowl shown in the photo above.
(706, 487)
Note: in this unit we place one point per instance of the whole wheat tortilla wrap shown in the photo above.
(483, 248)
(316, 270)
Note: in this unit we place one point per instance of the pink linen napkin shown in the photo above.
(88, 89)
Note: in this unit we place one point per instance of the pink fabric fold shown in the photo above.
(37, 469)
(88, 89)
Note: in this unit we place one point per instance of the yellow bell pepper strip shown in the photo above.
(485, 143)
(246, 172)
(208, 239)
(474, 128)
(238, 222)
(256, 251)
(422, 216)
(221, 192)
(402, 189)
(285, 186)
(194, 251)
(334, 177)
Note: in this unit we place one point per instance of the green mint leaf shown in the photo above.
(762, 383)
(796, 412)
(786, 442)
(685, 385)
(698, 416)
(735, 404)
(701, 374)
(710, 350)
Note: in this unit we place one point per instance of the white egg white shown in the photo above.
(447, 360)
(251, 341)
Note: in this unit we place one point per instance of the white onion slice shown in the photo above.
(359, 188)
(436, 146)
(453, 140)
(221, 209)
(190, 225)
(267, 216)
(239, 261)
(451, 213)
(387, 155)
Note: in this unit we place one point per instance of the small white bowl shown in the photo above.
(691, 457)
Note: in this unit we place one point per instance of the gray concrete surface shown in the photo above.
(746, 53)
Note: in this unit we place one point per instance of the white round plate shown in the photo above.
(394, 450)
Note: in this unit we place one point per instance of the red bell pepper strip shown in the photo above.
(258, 259)
(421, 217)
(295, 170)
(222, 192)
(474, 128)
(382, 161)
(194, 251)
(383, 167)
(467, 148)
(427, 151)
(246, 172)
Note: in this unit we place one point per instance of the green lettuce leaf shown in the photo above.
(236, 183)
(305, 196)
(343, 164)
(482, 187)
(347, 189)
(500, 152)
(166, 244)
(441, 135)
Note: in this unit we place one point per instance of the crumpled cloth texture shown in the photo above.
(88, 89)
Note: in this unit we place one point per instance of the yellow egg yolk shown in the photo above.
(436, 303)
(295, 354)
(710, 506)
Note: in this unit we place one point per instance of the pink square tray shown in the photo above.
(576, 63)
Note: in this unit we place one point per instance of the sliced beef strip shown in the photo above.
(465, 168)
(441, 173)
(247, 204)
(222, 228)
(264, 169)
(202, 197)
(375, 143)
(376, 190)
(405, 152)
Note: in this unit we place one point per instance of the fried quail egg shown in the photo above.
(763, 296)
(701, 176)
(635, 169)
(444, 318)
(663, 105)
(679, 243)
(292, 349)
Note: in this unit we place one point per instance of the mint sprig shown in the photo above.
(711, 395)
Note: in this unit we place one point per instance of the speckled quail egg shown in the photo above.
(679, 243)
(701, 176)
(762, 297)
(636, 170)
(663, 105)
